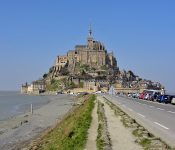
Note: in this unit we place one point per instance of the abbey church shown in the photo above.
(93, 54)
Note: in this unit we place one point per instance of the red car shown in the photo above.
(142, 95)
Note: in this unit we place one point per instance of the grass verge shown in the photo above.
(103, 139)
(100, 141)
(145, 142)
(70, 133)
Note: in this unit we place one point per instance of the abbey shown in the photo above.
(93, 54)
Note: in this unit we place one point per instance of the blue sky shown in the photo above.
(141, 33)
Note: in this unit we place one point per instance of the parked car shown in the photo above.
(129, 95)
(59, 92)
(173, 100)
(147, 95)
(98, 92)
(163, 99)
(155, 95)
(170, 97)
(71, 93)
(135, 95)
(141, 95)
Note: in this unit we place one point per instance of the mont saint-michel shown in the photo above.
(89, 68)
(87, 75)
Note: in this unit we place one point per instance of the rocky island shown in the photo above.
(89, 68)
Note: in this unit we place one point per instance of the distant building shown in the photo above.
(60, 62)
(24, 88)
(95, 85)
(91, 85)
(35, 87)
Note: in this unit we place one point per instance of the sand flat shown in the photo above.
(25, 127)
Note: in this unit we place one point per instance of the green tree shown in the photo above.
(51, 69)
(45, 75)
(84, 68)
(54, 85)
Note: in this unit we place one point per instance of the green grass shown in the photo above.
(135, 133)
(145, 142)
(71, 133)
(100, 141)
(100, 115)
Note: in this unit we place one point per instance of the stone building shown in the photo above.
(60, 62)
(95, 85)
(93, 54)
(91, 85)
(24, 88)
(36, 87)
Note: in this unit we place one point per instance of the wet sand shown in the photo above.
(19, 129)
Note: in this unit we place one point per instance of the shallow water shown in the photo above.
(14, 103)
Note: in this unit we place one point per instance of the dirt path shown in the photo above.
(121, 137)
(92, 132)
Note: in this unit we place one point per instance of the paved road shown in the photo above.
(158, 118)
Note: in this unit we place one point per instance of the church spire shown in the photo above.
(90, 31)
(90, 39)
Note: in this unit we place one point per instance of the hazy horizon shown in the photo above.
(141, 35)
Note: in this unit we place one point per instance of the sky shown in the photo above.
(141, 34)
